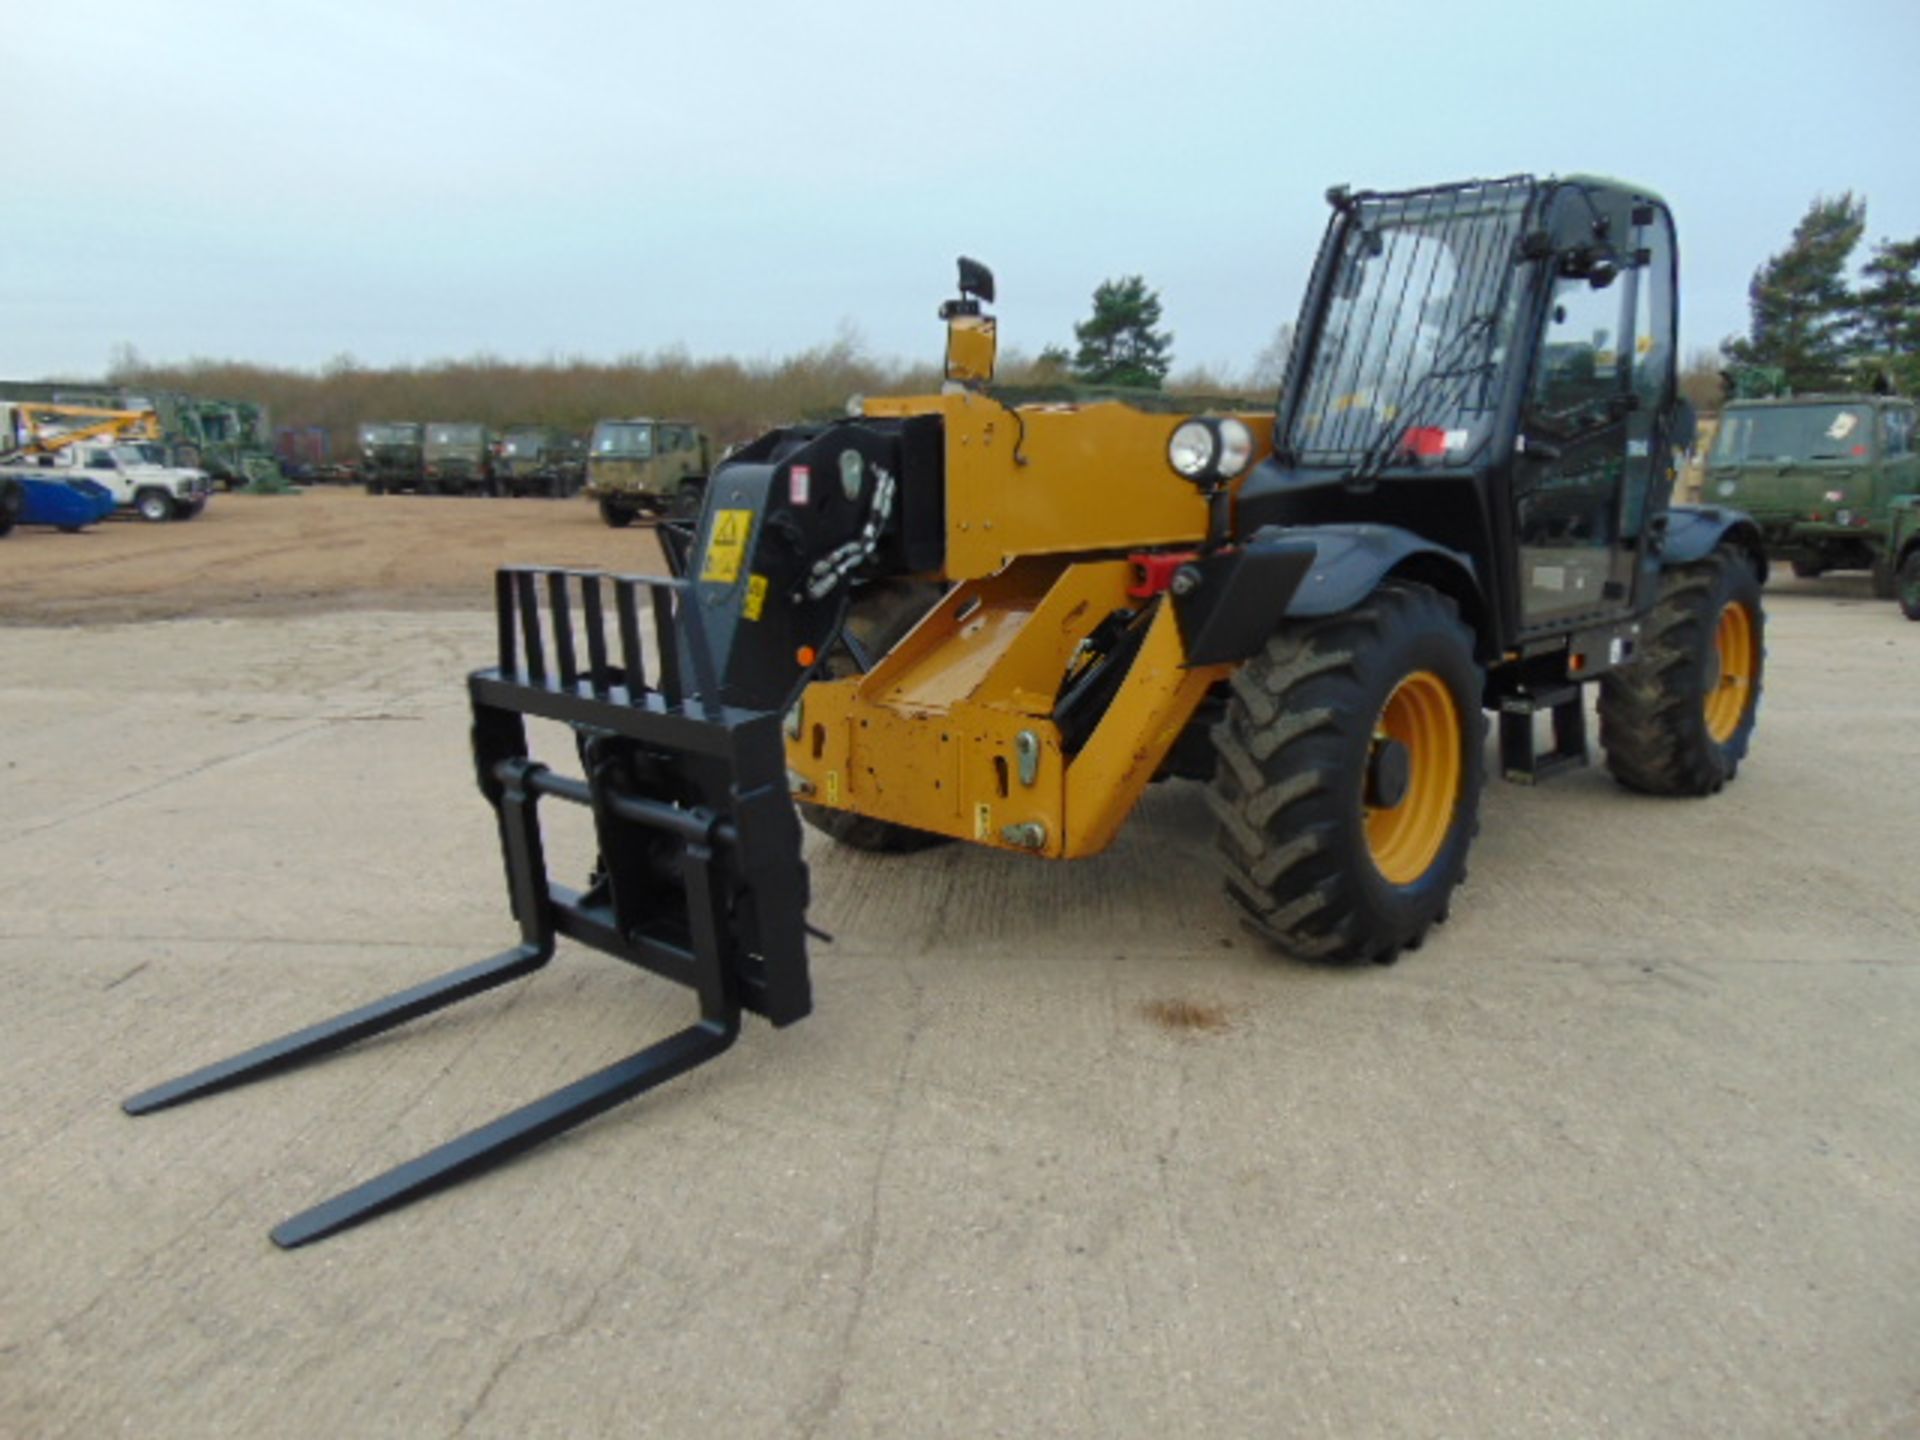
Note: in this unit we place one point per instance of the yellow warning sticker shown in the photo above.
(833, 787)
(756, 600)
(983, 822)
(728, 546)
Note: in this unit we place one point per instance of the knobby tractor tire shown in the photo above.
(1335, 849)
(878, 619)
(1678, 719)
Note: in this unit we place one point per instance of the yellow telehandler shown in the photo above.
(996, 617)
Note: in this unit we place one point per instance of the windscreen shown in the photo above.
(1420, 312)
(454, 434)
(1788, 433)
(389, 434)
(523, 445)
(623, 440)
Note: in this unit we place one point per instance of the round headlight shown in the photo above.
(1236, 447)
(1191, 450)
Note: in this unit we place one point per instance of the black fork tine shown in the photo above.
(503, 611)
(631, 654)
(592, 617)
(660, 601)
(560, 615)
(529, 595)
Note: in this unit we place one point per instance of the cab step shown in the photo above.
(1521, 759)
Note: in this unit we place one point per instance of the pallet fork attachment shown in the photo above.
(700, 878)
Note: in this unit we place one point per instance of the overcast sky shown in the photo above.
(288, 182)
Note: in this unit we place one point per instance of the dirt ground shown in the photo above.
(331, 548)
(1631, 1147)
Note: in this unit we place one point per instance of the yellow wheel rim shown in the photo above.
(1736, 653)
(1404, 839)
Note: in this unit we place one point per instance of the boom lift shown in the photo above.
(997, 618)
(33, 427)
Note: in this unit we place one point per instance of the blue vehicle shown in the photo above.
(67, 504)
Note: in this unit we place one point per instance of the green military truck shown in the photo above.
(390, 456)
(458, 457)
(1903, 552)
(539, 460)
(1820, 474)
(647, 468)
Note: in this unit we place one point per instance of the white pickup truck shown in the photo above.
(152, 491)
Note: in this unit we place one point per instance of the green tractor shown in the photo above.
(1819, 473)
(647, 469)
(229, 439)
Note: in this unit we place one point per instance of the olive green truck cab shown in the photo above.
(647, 468)
(539, 460)
(1903, 550)
(459, 459)
(390, 456)
(1819, 473)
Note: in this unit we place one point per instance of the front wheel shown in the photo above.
(686, 501)
(618, 516)
(1908, 586)
(1679, 718)
(1807, 567)
(153, 506)
(1884, 587)
(1350, 765)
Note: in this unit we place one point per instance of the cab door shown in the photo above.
(1589, 472)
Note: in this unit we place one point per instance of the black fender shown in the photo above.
(1695, 531)
(1231, 602)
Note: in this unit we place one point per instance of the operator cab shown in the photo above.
(1491, 365)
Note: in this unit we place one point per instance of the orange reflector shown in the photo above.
(806, 655)
(1578, 664)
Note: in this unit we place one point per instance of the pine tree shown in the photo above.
(1887, 313)
(1800, 306)
(1120, 344)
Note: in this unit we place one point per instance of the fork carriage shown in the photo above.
(700, 878)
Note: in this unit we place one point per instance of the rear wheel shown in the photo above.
(1350, 765)
(153, 505)
(1807, 567)
(618, 516)
(1679, 718)
(1908, 587)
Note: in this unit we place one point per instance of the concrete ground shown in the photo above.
(1632, 1147)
